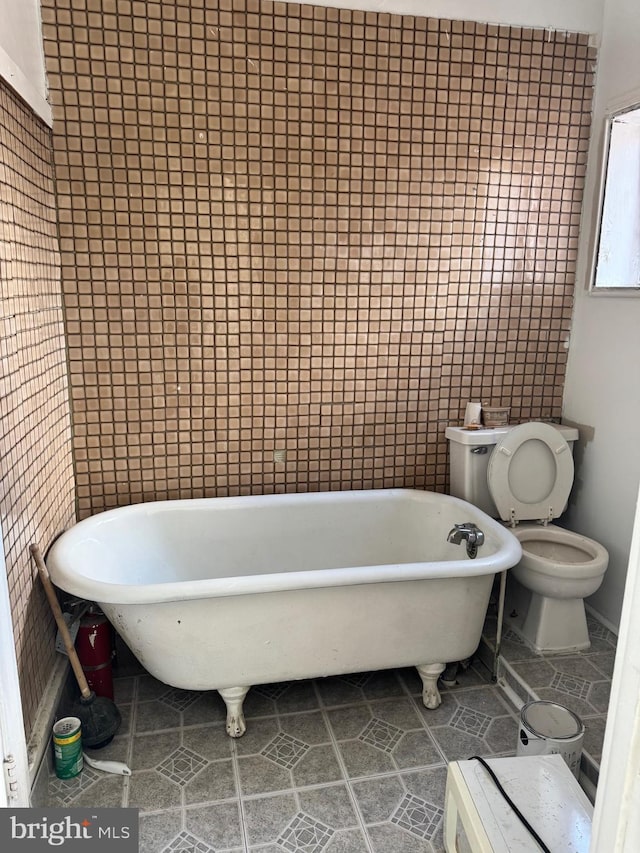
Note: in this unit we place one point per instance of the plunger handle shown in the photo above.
(62, 625)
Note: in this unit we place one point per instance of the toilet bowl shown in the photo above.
(527, 478)
(545, 591)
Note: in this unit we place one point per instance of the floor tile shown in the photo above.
(347, 723)
(157, 831)
(217, 824)
(389, 838)
(106, 792)
(155, 716)
(211, 741)
(576, 666)
(259, 734)
(325, 820)
(378, 798)
(402, 812)
(185, 842)
(283, 698)
(442, 714)
(416, 749)
(64, 792)
(381, 685)
(117, 750)
(310, 728)
(330, 804)
(400, 712)
(208, 708)
(347, 841)
(123, 689)
(598, 696)
(305, 833)
(361, 759)
(258, 704)
(604, 661)
(418, 817)
(259, 775)
(318, 766)
(502, 735)
(338, 691)
(536, 673)
(578, 705)
(125, 724)
(428, 784)
(151, 749)
(594, 735)
(299, 696)
(301, 739)
(456, 745)
(150, 688)
(267, 817)
(216, 781)
(151, 792)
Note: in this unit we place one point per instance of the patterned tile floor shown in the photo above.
(580, 681)
(351, 764)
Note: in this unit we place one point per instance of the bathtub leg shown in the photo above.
(233, 699)
(429, 673)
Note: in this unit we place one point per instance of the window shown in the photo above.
(617, 261)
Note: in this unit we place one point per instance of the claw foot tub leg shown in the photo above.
(429, 673)
(233, 699)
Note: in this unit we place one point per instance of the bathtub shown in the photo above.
(223, 593)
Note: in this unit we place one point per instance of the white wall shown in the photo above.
(602, 390)
(21, 53)
(583, 16)
(22, 61)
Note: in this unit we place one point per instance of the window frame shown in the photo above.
(611, 115)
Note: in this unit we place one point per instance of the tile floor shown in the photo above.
(338, 765)
(580, 681)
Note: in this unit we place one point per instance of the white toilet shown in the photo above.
(524, 474)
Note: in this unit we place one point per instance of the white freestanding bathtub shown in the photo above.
(223, 593)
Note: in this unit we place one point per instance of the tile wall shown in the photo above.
(36, 471)
(296, 240)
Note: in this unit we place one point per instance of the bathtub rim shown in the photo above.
(77, 584)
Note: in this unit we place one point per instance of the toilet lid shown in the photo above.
(530, 473)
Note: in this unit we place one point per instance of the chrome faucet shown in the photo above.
(471, 533)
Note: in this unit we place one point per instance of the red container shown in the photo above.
(94, 647)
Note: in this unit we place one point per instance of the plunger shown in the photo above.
(98, 715)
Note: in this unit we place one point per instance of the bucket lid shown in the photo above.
(550, 720)
(66, 726)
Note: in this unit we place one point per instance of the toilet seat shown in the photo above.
(530, 474)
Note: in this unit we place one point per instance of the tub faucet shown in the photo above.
(471, 533)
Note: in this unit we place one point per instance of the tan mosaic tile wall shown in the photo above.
(289, 228)
(36, 471)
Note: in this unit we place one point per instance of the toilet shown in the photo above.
(523, 475)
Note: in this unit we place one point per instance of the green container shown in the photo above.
(67, 747)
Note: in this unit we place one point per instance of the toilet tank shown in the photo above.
(469, 454)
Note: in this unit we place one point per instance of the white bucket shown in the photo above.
(548, 729)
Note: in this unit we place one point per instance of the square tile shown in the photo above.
(218, 824)
(418, 817)
(259, 775)
(181, 766)
(285, 750)
(305, 833)
(216, 781)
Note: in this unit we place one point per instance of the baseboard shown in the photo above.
(600, 618)
(40, 737)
